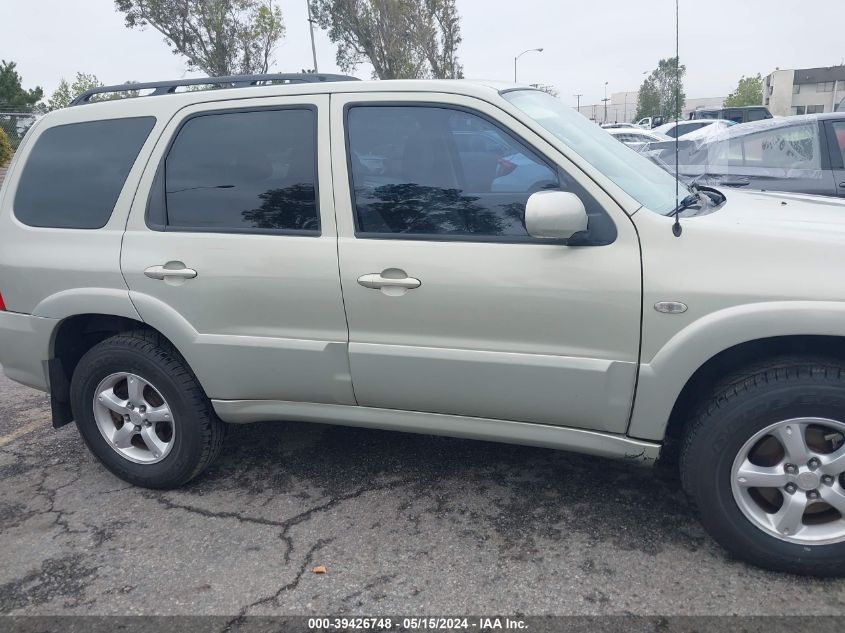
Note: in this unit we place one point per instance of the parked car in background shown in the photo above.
(801, 154)
(742, 114)
(649, 122)
(611, 126)
(680, 128)
(637, 138)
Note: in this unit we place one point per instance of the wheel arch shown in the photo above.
(71, 338)
(694, 358)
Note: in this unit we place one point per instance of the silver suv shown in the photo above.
(465, 259)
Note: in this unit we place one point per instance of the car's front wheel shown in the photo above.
(142, 412)
(764, 461)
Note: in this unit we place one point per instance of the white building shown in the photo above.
(804, 91)
(622, 107)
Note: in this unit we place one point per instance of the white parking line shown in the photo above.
(21, 431)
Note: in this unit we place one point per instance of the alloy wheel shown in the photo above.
(134, 418)
(788, 480)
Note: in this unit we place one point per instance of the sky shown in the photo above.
(585, 43)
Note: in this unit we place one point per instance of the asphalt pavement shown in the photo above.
(404, 524)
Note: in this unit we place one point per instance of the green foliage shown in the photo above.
(6, 150)
(648, 100)
(749, 92)
(402, 39)
(12, 94)
(662, 93)
(219, 37)
(66, 92)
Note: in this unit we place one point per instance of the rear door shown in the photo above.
(233, 254)
(452, 307)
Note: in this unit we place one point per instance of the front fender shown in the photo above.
(662, 380)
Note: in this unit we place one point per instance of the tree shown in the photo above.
(439, 36)
(749, 91)
(662, 93)
(6, 150)
(402, 39)
(648, 100)
(12, 94)
(219, 37)
(17, 106)
(66, 92)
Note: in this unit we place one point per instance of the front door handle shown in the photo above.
(160, 272)
(378, 281)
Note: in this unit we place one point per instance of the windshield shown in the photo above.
(640, 178)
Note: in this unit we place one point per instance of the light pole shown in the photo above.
(578, 102)
(605, 100)
(530, 50)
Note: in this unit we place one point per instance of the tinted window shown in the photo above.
(430, 170)
(758, 115)
(75, 172)
(244, 171)
(839, 132)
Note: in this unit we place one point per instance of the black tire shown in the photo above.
(739, 407)
(200, 432)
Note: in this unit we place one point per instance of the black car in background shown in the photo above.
(742, 114)
(800, 154)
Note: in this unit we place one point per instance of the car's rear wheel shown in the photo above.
(142, 412)
(764, 461)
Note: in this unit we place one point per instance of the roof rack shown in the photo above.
(231, 81)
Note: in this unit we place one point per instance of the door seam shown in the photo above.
(337, 246)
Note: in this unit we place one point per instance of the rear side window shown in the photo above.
(75, 172)
(242, 171)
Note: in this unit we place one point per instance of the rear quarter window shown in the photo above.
(75, 172)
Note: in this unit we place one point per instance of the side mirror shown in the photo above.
(555, 215)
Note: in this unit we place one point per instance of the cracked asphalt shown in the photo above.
(405, 524)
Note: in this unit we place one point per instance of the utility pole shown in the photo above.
(578, 97)
(311, 27)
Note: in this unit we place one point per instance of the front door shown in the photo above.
(234, 255)
(452, 307)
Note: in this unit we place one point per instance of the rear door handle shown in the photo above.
(377, 281)
(160, 272)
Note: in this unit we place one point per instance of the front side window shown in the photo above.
(75, 173)
(429, 170)
(244, 171)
